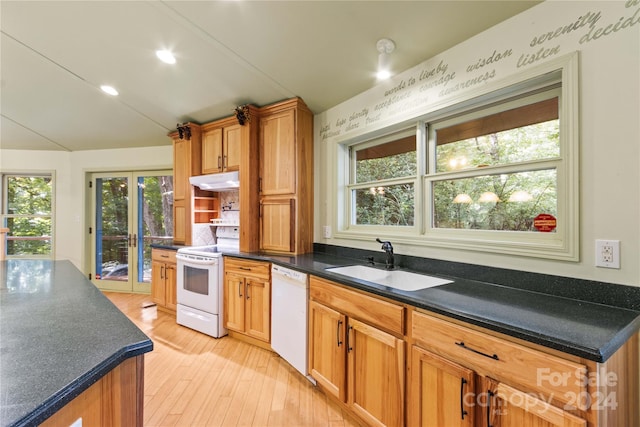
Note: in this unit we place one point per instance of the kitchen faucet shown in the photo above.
(386, 246)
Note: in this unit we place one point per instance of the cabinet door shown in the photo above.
(180, 169)
(158, 293)
(327, 354)
(277, 229)
(234, 302)
(376, 374)
(277, 153)
(442, 392)
(258, 309)
(513, 408)
(212, 151)
(180, 218)
(171, 290)
(232, 141)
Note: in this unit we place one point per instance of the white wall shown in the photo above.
(610, 128)
(71, 170)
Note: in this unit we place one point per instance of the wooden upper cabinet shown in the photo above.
(278, 160)
(221, 149)
(187, 154)
(232, 140)
(286, 177)
(212, 151)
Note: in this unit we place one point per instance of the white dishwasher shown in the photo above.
(289, 294)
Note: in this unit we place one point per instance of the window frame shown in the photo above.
(4, 215)
(563, 244)
(352, 185)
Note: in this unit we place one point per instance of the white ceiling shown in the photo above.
(55, 54)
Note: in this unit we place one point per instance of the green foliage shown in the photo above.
(389, 204)
(384, 204)
(29, 215)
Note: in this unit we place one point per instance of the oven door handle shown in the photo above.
(199, 261)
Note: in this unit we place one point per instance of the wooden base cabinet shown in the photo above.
(163, 279)
(356, 362)
(114, 400)
(444, 392)
(508, 406)
(464, 376)
(247, 297)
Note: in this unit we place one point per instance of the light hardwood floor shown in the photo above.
(193, 380)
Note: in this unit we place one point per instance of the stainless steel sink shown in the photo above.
(397, 279)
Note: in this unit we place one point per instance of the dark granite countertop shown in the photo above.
(59, 335)
(168, 245)
(563, 321)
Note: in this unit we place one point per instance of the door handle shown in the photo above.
(219, 162)
(463, 381)
(162, 274)
(129, 240)
(240, 289)
(338, 333)
(135, 240)
(248, 284)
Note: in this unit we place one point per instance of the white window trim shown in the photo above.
(3, 215)
(561, 245)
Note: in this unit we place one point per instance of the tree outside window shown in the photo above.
(27, 212)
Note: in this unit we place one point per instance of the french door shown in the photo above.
(131, 211)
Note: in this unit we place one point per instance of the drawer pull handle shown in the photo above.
(493, 356)
(462, 411)
(245, 268)
(338, 333)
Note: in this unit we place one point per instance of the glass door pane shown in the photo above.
(154, 220)
(113, 237)
(132, 211)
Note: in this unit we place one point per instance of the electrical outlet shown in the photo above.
(608, 253)
(326, 231)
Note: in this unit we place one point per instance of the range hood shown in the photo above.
(217, 181)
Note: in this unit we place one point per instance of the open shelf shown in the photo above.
(206, 206)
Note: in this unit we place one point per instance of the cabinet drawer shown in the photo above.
(163, 255)
(247, 267)
(383, 314)
(506, 361)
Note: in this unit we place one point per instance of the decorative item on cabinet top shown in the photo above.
(242, 114)
(184, 131)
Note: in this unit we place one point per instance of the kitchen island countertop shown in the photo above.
(60, 335)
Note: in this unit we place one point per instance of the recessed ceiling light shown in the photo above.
(109, 89)
(166, 56)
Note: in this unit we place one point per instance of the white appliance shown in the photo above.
(217, 181)
(199, 291)
(289, 292)
(200, 284)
